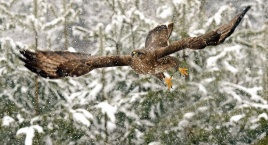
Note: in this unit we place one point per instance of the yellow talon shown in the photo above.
(168, 82)
(183, 71)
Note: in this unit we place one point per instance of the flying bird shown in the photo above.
(154, 59)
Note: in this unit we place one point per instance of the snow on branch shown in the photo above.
(53, 24)
(29, 132)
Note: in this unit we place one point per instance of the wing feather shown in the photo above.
(212, 38)
(57, 64)
(159, 36)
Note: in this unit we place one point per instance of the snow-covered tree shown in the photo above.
(223, 101)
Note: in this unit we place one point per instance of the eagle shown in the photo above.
(154, 59)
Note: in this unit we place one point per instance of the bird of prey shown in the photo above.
(154, 59)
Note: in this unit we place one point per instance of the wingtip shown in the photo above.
(170, 25)
(246, 9)
(22, 59)
(240, 17)
(23, 51)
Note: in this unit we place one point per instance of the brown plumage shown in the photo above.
(154, 59)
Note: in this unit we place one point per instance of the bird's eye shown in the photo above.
(133, 53)
(136, 53)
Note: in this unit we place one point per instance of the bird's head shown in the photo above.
(138, 54)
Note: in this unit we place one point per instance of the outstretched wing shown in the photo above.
(158, 37)
(211, 38)
(57, 64)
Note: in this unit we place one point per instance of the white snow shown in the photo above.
(86, 113)
(263, 115)
(7, 120)
(140, 14)
(155, 143)
(183, 124)
(71, 49)
(29, 132)
(53, 23)
(212, 61)
(254, 126)
(179, 1)
(200, 86)
(236, 118)
(188, 115)
(253, 92)
(208, 80)
(111, 126)
(108, 28)
(48, 140)
(229, 67)
(35, 119)
(79, 117)
(202, 109)
(243, 86)
(50, 126)
(82, 116)
(164, 12)
(96, 85)
(255, 105)
(108, 109)
(196, 33)
(136, 96)
(23, 89)
(20, 118)
(217, 16)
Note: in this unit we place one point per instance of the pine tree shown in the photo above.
(223, 101)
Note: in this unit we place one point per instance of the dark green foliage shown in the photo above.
(223, 101)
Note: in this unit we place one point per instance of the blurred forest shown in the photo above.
(223, 101)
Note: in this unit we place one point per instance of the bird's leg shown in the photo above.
(183, 71)
(175, 65)
(167, 82)
(161, 77)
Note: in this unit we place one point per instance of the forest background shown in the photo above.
(223, 101)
